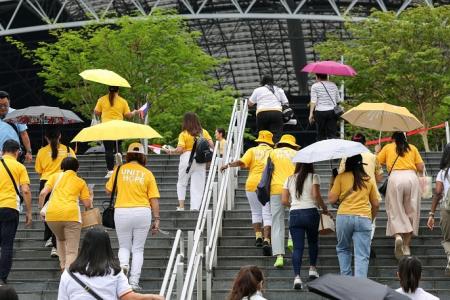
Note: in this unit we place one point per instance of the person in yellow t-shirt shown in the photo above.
(358, 207)
(10, 203)
(112, 107)
(220, 137)
(196, 172)
(281, 157)
(403, 193)
(255, 159)
(137, 198)
(48, 162)
(63, 214)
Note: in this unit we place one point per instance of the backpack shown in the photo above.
(203, 153)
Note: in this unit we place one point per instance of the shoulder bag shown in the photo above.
(12, 180)
(108, 212)
(43, 211)
(286, 110)
(338, 110)
(84, 286)
(383, 188)
(263, 188)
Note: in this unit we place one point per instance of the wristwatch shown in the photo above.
(29, 151)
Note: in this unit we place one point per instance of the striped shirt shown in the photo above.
(324, 101)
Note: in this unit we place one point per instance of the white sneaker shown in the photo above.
(54, 252)
(48, 243)
(298, 283)
(180, 208)
(313, 274)
(398, 247)
(447, 269)
(108, 174)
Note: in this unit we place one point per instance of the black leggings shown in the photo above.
(110, 149)
(326, 124)
(271, 120)
(47, 232)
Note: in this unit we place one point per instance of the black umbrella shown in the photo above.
(342, 287)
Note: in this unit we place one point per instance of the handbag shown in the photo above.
(108, 212)
(383, 188)
(13, 181)
(338, 110)
(263, 188)
(90, 217)
(43, 211)
(84, 286)
(286, 110)
(426, 186)
(326, 224)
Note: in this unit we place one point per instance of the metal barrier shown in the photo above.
(174, 271)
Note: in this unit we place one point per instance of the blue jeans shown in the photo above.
(358, 229)
(303, 221)
(9, 220)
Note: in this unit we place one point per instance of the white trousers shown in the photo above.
(278, 228)
(132, 227)
(197, 174)
(260, 214)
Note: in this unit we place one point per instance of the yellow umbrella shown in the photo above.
(116, 130)
(105, 77)
(382, 117)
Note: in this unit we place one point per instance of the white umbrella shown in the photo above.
(329, 149)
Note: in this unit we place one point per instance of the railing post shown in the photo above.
(447, 131)
(208, 225)
(180, 279)
(200, 273)
(190, 243)
(215, 195)
(208, 283)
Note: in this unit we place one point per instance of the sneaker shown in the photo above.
(54, 252)
(398, 247)
(48, 243)
(108, 174)
(406, 250)
(135, 287)
(313, 274)
(125, 269)
(290, 245)
(298, 283)
(447, 269)
(180, 208)
(279, 263)
(267, 249)
(259, 242)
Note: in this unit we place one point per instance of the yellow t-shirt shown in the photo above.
(63, 205)
(222, 145)
(186, 140)
(255, 159)
(388, 155)
(45, 165)
(8, 195)
(115, 112)
(356, 202)
(136, 185)
(283, 168)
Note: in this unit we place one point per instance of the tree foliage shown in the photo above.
(158, 56)
(402, 60)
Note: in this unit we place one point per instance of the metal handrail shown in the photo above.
(178, 243)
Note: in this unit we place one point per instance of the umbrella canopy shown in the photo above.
(329, 67)
(329, 149)
(334, 286)
(116, 130)
(382, 117)
(39, 115)
(105, 77)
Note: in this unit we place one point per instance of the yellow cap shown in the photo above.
(288, 139)
(136, 148)
(265, 136)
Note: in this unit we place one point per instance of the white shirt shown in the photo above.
(255, 296)
(446, 182)
(306, 199)
(419, 294)
(320, 97)
(266, 100)
(107, 287)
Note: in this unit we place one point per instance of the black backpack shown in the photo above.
(200, 152)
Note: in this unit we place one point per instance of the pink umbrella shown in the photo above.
(329, 67)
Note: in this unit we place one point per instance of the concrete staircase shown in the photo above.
(236, 248)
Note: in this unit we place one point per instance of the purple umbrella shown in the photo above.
(329, 67)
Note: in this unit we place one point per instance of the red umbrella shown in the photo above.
(329, 67)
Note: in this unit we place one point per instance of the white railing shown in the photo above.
(175, 268)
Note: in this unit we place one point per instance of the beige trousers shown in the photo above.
(67, 239)
(445, 227)
(403, 203)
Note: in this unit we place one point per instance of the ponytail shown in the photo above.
(112, 94)
(409, 272)
(53, 139)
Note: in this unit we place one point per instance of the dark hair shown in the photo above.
(221, 131)
(267, 79)
(409, 272)
(360, 138)
(246, 282)
(302, 170)
(10, 146)
(322, 76)
(354, 164)
(96, 257)
(191, 124)
(139, 157)
(4, 94)
(53, 136)
(445, 160)
(70, 163)
(112, 94)
(7, 292)
(401, 144)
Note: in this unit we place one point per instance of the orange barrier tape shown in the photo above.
(409, 133)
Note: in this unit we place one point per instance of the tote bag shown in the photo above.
(90, 217)
(426, 186)
(326, 225)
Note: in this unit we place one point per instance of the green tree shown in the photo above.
(160, 58)
(402, 60)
